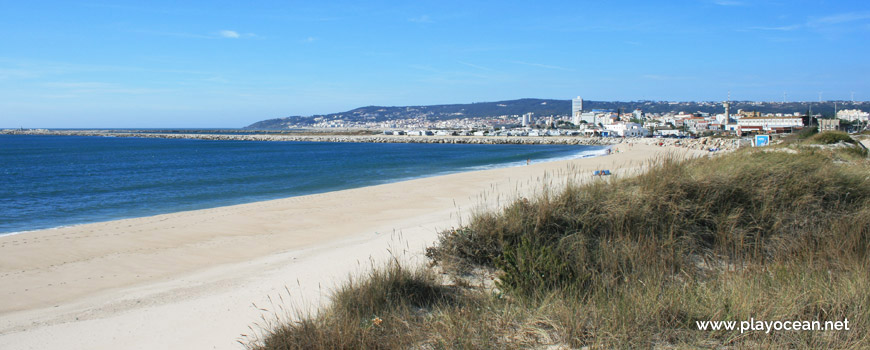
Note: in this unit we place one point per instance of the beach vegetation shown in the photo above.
(831, 137)
(773, 234)
(807, 132)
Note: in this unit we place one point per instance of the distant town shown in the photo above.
(712, 118)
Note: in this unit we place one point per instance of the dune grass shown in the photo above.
(831, 137)
(632, 263)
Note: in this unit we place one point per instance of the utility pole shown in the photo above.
(810, 115)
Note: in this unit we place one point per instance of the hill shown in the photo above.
(546, 107)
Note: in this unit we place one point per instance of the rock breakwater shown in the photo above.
(699, 143)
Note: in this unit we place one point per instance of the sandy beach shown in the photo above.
(202, 279)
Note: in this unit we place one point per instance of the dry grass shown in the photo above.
(634, 263)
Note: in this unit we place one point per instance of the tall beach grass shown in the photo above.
(779, 234)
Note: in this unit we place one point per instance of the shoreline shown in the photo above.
(587, 153)
(192, 277)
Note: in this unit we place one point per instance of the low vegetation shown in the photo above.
(831, 137)
(773, 235)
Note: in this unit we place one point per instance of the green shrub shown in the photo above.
(831, 137)
(808, 132)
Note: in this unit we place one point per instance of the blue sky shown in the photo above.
(230, 63)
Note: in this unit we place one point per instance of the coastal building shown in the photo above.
(601, 132)
(576, 108)
(745, 114)
(627, 129)
(771, 124)
(727, 109)
(696, 124)
(638, 114)
(588, 117)
(853, 115)
(526, 120)
(669, 132)
(829, 124)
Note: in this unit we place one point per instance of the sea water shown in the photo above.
(54, 181)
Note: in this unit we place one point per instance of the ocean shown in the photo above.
(55, 181)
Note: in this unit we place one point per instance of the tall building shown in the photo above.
(527, 119)
(576, 110)
(725, 118)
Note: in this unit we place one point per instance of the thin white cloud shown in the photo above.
(309, 39)
(216, 79)
(222, 34)
(231, 34)
(664, 77)
(16, 73)
(540, 65)
(423, 67)
(472, 65)
(779, 28)
(840, 18)
(79, 85)
(35, 69)
(729, 3)
(89, 87)
(421, 19)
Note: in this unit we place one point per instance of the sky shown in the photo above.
(213, 64)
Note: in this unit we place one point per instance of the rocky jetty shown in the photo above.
(699, 143)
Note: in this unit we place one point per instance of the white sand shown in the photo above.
(199, 279)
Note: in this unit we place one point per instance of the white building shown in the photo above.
(771, 123)
(669, 132)
(638, 114)
(853, 115)
(526, 119)
(627, 129)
